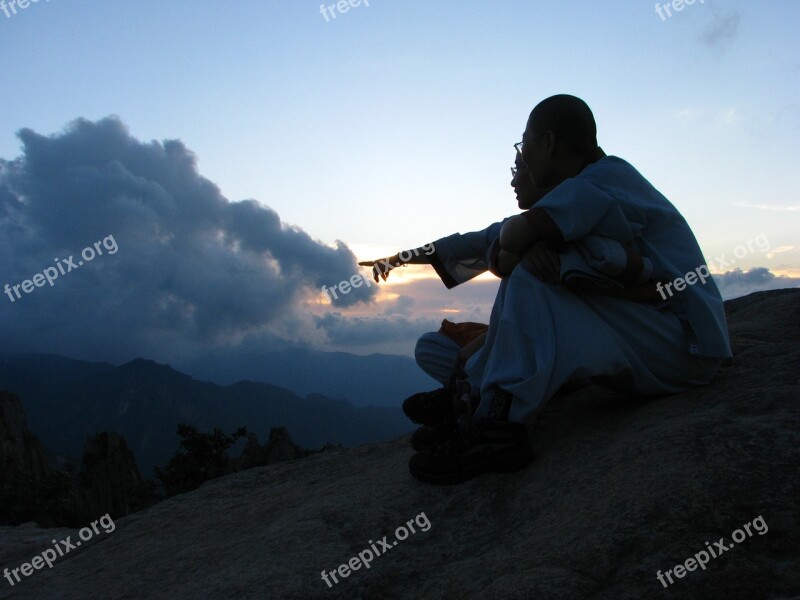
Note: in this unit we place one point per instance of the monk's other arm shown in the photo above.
(532, 238)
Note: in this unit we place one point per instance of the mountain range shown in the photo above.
(361, 380)
(68, 400)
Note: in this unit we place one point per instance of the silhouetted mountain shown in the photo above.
(108, 480)
(144, 402)
(20, 451)
(361, 380)
(19, 370)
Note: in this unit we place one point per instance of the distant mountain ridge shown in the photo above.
(67, 401)
(361, 380)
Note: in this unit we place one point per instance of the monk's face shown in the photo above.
(552, 159)
(538, 153)
(523, 186)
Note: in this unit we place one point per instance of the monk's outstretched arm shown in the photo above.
(415, 256)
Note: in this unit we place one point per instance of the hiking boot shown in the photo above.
(429, 408)
(486, 446)
(428, 437)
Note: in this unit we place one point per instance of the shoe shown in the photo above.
(428, 437)
(429, 408)
(486, 446)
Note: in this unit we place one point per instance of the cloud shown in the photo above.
(731, 116)
(779, 208)
(733, 284)
(723, 28)
(403, 305)
(192, 269)
(726, 116)
(780, 250)
(354, 331)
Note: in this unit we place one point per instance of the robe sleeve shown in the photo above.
(460, 257)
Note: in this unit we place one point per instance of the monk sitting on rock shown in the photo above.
(577, 301)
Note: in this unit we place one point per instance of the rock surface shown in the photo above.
(619, 490)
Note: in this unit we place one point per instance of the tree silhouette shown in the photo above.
(200, 457)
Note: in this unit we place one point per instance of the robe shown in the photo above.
(542, 336)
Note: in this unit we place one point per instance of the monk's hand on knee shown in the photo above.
(382, 266)
(542, 263)
(506, 261)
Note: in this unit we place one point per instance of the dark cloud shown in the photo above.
(723, 28)
(370, 330)
(736, 283)
(192, 268)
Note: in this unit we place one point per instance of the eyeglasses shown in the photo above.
(520, 146)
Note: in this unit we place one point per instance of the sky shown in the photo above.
(240, 156)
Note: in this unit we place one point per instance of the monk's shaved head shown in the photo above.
(560, 140)
(570, 118)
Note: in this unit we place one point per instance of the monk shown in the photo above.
(580, 269)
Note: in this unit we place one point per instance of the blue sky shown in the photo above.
(392, 125)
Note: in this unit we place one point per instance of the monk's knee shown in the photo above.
(426, 345)
(436, 355)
